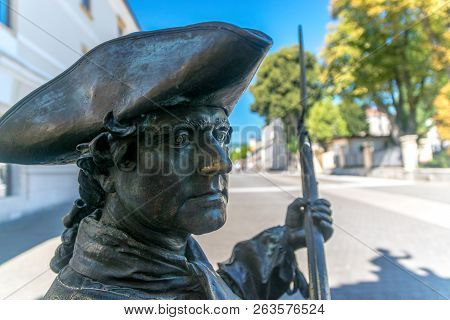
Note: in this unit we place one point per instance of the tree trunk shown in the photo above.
(412, 114)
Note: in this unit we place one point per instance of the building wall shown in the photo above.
(274, 145)
(44, 38)
(271, 152)
(348, 152)
(379, 125)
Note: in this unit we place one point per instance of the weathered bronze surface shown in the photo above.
(155, 170)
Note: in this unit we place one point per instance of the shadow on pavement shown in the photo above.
(26, 232)
(396, 282)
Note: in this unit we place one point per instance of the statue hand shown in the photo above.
(295, 217)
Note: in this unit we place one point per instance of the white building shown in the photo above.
(270, 153)
(39, 40)
(274, 145)
(379, 124)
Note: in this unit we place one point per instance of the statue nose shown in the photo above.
(215, 159)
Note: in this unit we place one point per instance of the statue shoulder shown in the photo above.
(70, 285)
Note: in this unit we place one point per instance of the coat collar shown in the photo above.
(110, 256)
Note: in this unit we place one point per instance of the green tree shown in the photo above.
(276, 90)
(277, 95)
(325, 122)
(354, 118)
(389, 53)
(239, 152)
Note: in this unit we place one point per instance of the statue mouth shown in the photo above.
(212, 195)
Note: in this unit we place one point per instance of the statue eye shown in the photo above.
(221, 136)
(181, 139)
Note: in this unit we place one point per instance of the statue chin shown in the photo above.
(203, 214)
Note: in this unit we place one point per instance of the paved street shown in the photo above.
(391, 241)
(384, 246)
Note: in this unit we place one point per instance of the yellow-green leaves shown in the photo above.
(442, 116)
(391, 53)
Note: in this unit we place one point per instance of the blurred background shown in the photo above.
(379, 118)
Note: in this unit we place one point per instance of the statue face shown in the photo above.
(180, 179)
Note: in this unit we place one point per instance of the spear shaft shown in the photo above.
(318, 276)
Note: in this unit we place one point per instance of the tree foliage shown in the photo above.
(354, 117)
(239, 152)
(276, 91)
(277, 95)
(389, 53)
(325, 122)
(442, 116)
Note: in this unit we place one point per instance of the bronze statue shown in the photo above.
(145, 117)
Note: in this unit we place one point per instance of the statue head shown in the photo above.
(166, 171)
(159, 159)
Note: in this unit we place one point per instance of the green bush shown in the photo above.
(441, 160)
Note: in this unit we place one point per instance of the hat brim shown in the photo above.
(207, 64)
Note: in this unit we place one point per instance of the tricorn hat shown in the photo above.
(209, 64)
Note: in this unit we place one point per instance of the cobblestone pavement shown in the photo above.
(391, 240)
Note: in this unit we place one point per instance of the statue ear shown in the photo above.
(125, 156)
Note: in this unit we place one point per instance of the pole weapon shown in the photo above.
(318, 276)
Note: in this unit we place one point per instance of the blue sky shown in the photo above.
(279, 19)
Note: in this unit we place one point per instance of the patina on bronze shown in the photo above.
(145, 117)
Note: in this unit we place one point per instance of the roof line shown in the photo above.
(127, 4)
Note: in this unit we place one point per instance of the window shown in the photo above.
(4, 13)
(120, 26)
(4, 180)
(86, 8)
